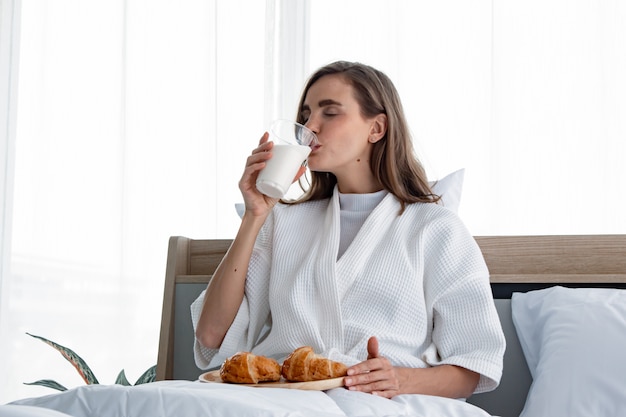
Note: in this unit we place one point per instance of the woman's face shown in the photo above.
(332, 112)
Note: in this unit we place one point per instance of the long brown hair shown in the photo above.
(393, 161)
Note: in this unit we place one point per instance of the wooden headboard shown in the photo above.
(516, 263)
(555, 259)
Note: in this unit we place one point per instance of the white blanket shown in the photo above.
(187, 399)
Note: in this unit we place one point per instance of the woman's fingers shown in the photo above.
(255, 201)
(379, 381)
(256, 161)
(300, 172)
(376, 375)
(372, 348)
(264, 145)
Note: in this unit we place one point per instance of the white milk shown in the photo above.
(276, 178)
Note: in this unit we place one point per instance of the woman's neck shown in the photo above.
(358, 184)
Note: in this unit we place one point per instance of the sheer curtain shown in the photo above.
(9, 27)
(559, 116)
(120, 104)
(529, 97)
(135, 117)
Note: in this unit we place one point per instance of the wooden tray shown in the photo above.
(322, 385)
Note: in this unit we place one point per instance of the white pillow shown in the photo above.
(574, 341)
(449, 188)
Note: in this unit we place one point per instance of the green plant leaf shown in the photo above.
(121, 379)
(80, 365)
(48, 383)
(148, 376)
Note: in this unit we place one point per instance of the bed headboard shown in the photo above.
(516, 263)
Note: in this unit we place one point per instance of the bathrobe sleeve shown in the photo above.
(466, 329)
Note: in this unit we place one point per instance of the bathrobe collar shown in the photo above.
(341, 273)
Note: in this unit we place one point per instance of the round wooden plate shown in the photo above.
(322, 385)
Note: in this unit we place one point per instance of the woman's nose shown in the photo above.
(312, 125)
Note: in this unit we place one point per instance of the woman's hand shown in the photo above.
(376, 375)
(256, 203)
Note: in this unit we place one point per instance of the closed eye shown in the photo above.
(330, 108)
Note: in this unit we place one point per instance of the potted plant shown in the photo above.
(85, 372)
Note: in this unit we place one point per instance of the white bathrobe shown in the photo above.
(416, 281)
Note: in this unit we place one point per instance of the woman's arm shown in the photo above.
(377, 376)
(226, 289)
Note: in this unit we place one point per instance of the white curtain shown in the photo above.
(528, 96)
(9, 46)
(133, 120)
(120, 104)
(559, 116)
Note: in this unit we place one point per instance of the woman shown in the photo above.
(366, 267)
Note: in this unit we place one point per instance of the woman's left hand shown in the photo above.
(375, 375)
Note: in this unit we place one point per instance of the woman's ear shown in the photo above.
(379, 128)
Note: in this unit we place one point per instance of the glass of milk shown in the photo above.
(292, 145)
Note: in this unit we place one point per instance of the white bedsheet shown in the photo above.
(186, 399)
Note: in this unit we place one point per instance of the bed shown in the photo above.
(560, 299)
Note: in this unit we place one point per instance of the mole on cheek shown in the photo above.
(358, 160)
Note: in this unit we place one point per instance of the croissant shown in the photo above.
(248, 368)
(304, 365)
